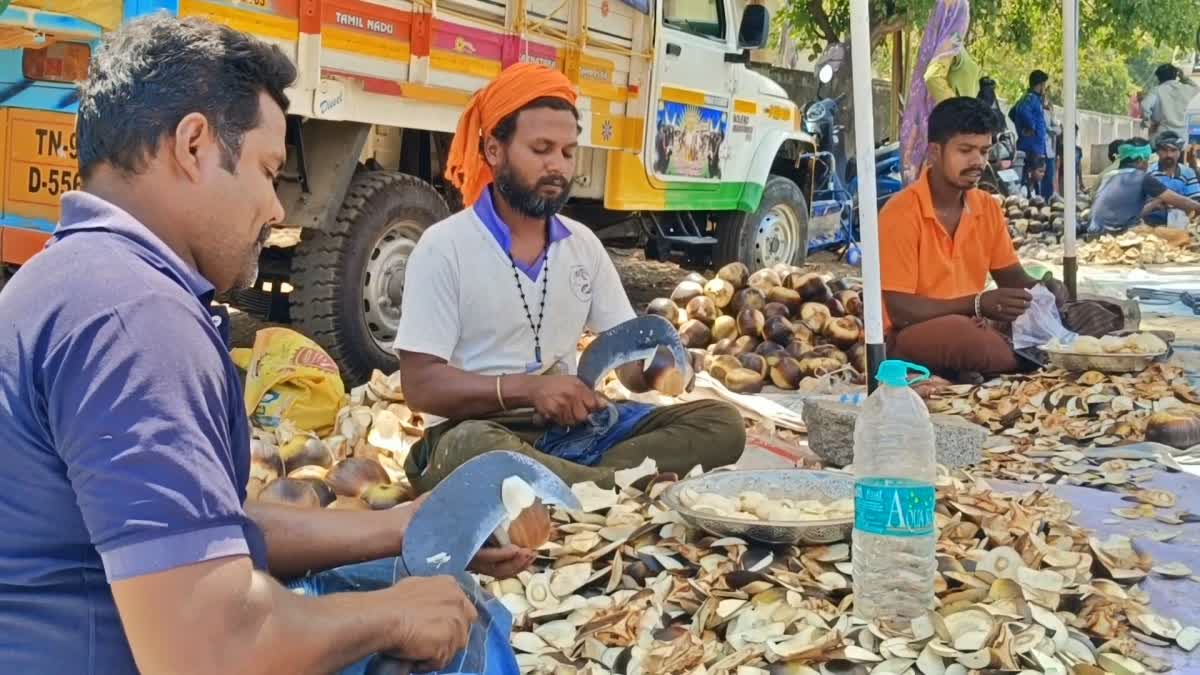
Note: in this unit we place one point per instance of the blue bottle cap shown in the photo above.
(894, 373)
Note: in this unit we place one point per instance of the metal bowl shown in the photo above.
(1105, 363)
(826, 486)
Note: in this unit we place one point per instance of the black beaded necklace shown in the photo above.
(537, 329)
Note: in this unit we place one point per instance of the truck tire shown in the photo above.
(348, 280)
(775, 233)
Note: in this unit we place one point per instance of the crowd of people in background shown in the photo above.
(1148, 177)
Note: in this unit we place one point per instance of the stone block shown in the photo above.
(831, 435)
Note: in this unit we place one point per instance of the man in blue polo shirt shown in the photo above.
(126, 544)
(1172, 172)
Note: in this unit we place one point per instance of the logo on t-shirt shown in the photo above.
(581, 283)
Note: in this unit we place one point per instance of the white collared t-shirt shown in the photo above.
(461, 301)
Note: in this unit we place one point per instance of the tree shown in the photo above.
(1144, 59)
(1105, 85)
(1015, 36)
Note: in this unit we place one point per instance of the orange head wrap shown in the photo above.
(517, 86)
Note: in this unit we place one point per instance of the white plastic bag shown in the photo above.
(1040, 323)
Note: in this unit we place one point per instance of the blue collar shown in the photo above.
(485, 209)
(84, 212)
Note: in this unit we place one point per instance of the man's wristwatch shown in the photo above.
(979, 306)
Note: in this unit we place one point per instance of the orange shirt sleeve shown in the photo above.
(1003, 254)
(899, 244)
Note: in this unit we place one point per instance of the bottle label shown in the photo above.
(894, 507)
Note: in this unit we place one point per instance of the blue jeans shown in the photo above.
(1051, 175)
(488, 651)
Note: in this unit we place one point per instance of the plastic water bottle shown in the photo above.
(895, 465)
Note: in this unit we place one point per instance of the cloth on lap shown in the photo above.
(586, 443)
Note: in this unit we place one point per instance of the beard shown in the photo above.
(1167, 164)
(528, 200)
(249, 274)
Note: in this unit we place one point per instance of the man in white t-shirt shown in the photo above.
(1166, 107)
(498, 296)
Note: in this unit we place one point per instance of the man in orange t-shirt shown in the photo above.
(940, 238)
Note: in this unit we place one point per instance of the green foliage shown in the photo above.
(1121, 41)
(1105, 85)
(1142, 62)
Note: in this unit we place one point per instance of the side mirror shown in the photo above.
(825, 74)
(755, 30)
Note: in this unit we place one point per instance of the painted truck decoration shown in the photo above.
(676, 130)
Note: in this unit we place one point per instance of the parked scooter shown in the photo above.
(1006, 164)
(833, 222)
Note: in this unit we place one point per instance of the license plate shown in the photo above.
(1009, 176)
(42, 158)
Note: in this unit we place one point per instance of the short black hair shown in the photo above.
(1166, 72)
(152, 72)
(505, 129)
(1038, 77)
(1115, 147)
(1035, 163)
(962, 115)
(1168, 137)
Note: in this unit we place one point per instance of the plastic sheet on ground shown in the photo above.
(756, 406)
(1113, 281)
(1175, 598)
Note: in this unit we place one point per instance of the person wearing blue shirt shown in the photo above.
(1172, 172)
(1029, 117)
(128, 543)
(1130, 193)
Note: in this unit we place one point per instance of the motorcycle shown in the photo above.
(833, 184)
(1005, 166)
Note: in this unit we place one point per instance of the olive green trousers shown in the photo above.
(677, 438)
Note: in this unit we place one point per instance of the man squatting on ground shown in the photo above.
(499, 295)
(127, 546)
(1133, 193)
(940, 238)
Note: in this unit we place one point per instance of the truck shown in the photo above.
(679, 135)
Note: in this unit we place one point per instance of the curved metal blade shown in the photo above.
(463, 511)
(635, 340)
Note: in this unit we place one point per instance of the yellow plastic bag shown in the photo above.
(289, 377)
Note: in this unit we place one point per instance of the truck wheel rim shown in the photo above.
(383, 281)
(778, 237)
